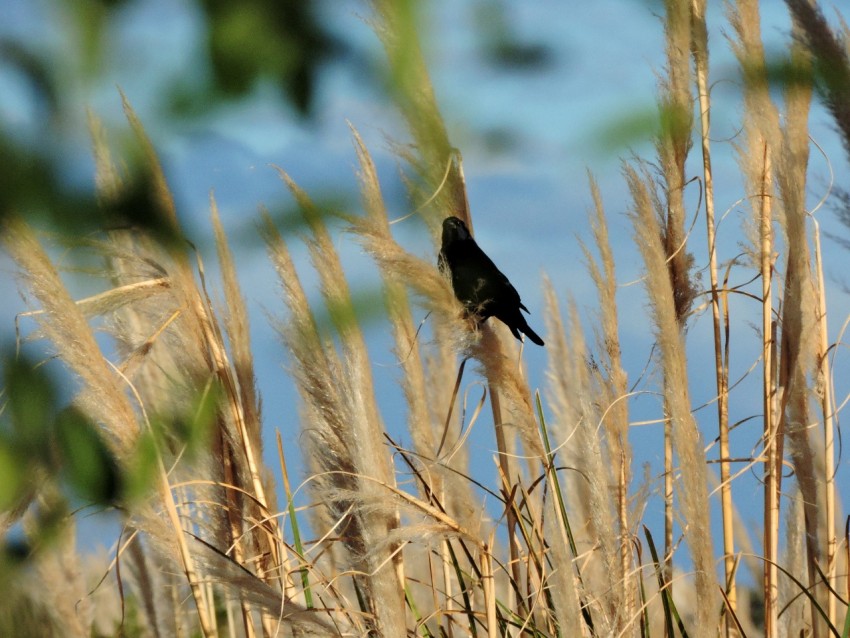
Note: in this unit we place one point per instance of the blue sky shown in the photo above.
(527, 139)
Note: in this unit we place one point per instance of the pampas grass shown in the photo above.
(382, 537)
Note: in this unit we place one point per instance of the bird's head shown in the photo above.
(454, 230)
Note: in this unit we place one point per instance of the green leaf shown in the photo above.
(88, 464)
(141, 474)
(12, 472)
(202, 418)
(192, 426)
(31, 406)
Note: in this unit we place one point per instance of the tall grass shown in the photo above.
(395, 540)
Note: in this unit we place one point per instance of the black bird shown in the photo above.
(478, 284)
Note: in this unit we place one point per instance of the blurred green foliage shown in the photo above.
(52, 455)
(87, 464)
(281, 41)
(31, 407)
(277, 39)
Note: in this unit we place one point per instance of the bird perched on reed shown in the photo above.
(480, 286)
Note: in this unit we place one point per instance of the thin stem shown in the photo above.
(700, 51)
(771, 500)
(828, 433)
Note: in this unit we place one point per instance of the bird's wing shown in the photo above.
(497, 277)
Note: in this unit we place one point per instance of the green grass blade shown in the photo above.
(670, 611)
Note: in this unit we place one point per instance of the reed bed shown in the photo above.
(396, 540)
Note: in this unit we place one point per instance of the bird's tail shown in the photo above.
(517, 323)
(531, 334)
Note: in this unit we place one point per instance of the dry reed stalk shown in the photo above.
(489, 587)
(756, 159)
(693, 493)
(701, 66)
(824, 387)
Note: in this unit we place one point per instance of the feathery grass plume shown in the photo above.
(687, 440)
(798, 342)
(673, 145)
(235, 318)
(164, 201)
(760, 120)
(316, 369)
(831, 63)
(398, 306)
(577, 425)
(396, 23)
(182, 349)
(364, 432)
(407, 350)
(795, 559)
(66, 327)
(657, 201)
(425, 423)
(346, 433)
(613, 377)
(64, 593)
